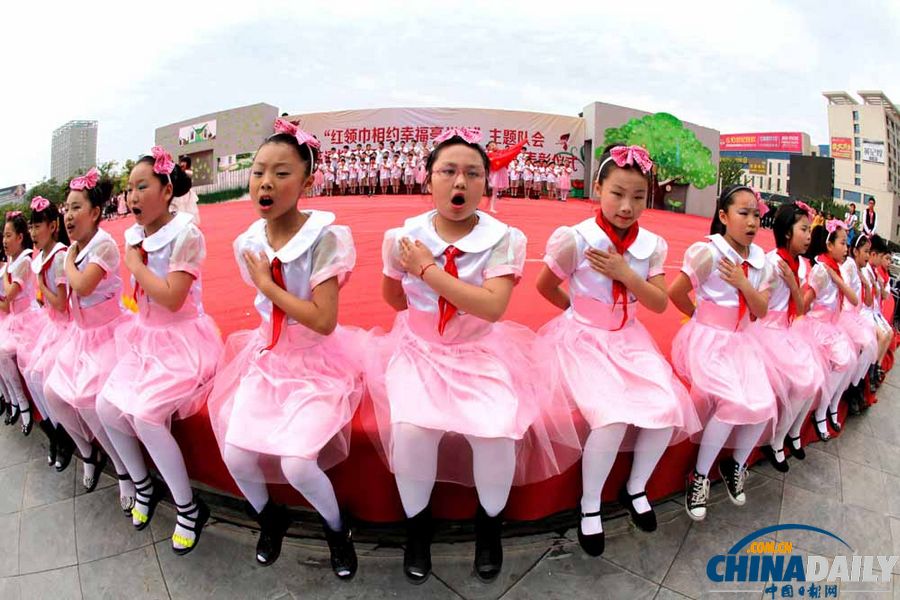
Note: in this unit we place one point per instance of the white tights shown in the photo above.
(303, 474)
(600, 451)
(9, 371)
(784, 427)
(416, 450)
(716, 434)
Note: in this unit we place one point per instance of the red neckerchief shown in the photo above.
(277, 313)
(829, 262)
(445, 308)
(794, 264)
(619, 291)
(137, 286)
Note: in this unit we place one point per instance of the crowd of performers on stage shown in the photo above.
(772, 341)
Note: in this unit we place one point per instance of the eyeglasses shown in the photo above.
(452, 173)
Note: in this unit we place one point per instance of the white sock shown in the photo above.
(600, 451)
(311, 481)
(648, 449)
(494, 466)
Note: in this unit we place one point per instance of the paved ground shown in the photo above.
(57, 543)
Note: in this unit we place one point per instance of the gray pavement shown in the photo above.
(58, 543)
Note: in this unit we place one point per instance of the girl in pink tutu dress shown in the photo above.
(599, 354)
(565, 182)
(47, 265)
(715, 352)
(88, 352)
(450, 367)
(823, 296)
(792, 361)
(167, 355)
(856, 323)
(25, 318)
(284, 394)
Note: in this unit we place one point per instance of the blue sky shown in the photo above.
(758, 66)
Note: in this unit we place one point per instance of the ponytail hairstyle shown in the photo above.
(44, 211)
(98, 191)
(20, 226)
(820, 239)
(722, 204)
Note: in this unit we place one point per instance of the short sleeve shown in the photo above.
(333, 256)
(390, 255)
(561, 255)
(21, 273)
(106, 256)
(698, 263)
(658, 258)
(772, 281)
(189, 252)
(58, 270)
(507, 256)
(818, 279)
(239, 246)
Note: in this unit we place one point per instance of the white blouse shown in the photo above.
(701, 263)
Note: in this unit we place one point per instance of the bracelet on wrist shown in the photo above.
(425, 268)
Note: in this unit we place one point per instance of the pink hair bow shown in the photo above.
(86, 182)
(761, 206)
(13, 214)
(471, 136)
(283, 126)
(163, 165)
(39, 203)
(804, 207)
(834, 224)
(632, 156)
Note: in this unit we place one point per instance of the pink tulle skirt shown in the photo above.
(565, 183)
(499, 179)
(862, 332)
(832, 344)
(296, 400)
(19, 332)
(794, 367)
(615, 376)
(727, 374)
(488, 387)
(46, 350)
(164, 369)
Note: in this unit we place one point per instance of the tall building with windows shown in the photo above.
(74, 149)
(766, 157)
(864, 145)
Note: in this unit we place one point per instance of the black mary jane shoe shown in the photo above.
(823, 437)
(417, 552)
(343, 553)
(99, 460)
(27, 427)
(12, 415)
(273, 522)
(832, 420)
(645, 521)
(797, 450)
(769, 453)
(595, 544)
(488, 546)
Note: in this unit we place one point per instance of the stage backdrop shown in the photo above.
(547, 136)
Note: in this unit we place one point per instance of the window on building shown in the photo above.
(769, 167)
(856, 115)
(779, 169)
(856, 155)
(856, 141)
(851, 196)
(770, 184)
(856, 128)
(856, 181)
(836, 193)
(857, 168)
(777, 185)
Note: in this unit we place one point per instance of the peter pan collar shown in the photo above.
(302, 241)
(643, 246)
(23, 256)
(487, 232)
(135, 235)
(756, 258)
(39, 260)
(100, 236)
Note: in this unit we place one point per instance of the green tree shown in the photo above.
(677, 154)
(49, 189)
(120, 183)
(730, 172)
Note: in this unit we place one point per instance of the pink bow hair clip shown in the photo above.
(303, 137)
(760, 205)
(13, 214)
(471, 136)
(163, 163)
(39, 203)
(834, 224)
(86, 182)
(632, 156)
(804, 207)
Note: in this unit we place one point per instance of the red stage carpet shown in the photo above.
(364, 486)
